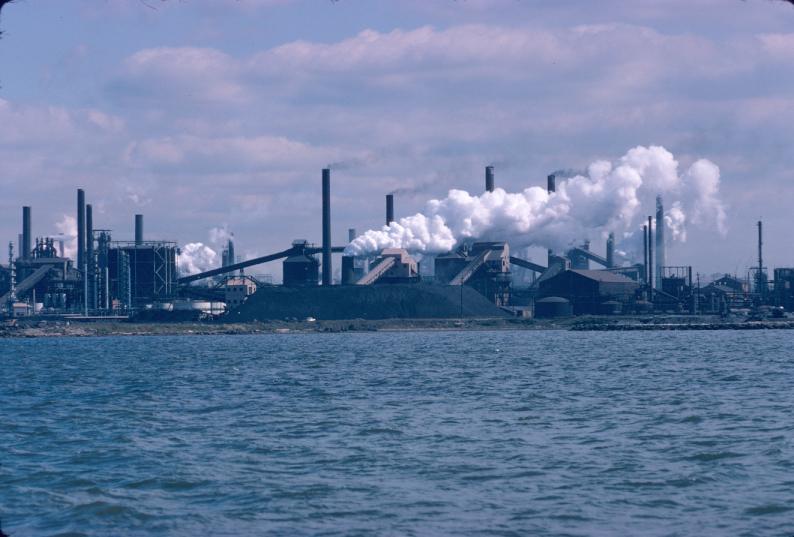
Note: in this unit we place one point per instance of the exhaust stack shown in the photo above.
(660, 249)
(327, 226)
(489, 179)
(80, 229)
(138, 229)
(26, 234)
(611, 250)
(551, 186)
(389, 208)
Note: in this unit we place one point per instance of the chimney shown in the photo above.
(660, 249)
(551, 186)
(389, 208)
(231, 257)
(89, 254)
(645, 251)
(26, 233)
(327, 226)
(489, 179)
(650, 253)
(138, 229)
(351, 234)
(348, 270)
(80, 229)
(611, 250)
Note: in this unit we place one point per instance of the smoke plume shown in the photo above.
(609, 197)
(196, 257)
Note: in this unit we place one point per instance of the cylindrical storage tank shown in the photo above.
(348, 270)
(553, 306)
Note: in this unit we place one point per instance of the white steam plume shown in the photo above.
(67, 231)
(609, 198)
(196, 257)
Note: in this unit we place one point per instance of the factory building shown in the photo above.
(590, 291)
(784, 288)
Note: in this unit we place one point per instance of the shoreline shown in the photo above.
(37, 328)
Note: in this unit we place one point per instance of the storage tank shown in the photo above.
(553, 306)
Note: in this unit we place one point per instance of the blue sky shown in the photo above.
(205, 114)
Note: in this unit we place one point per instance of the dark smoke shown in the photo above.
(419, 188)
(568, 173)
(352, 163)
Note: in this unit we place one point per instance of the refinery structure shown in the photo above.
(140, 278)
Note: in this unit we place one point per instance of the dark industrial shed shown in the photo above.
(588, 290)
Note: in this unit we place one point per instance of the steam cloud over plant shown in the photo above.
(609, 197)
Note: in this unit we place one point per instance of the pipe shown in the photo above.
(327, 226)
(611, 250)
(26, 233)
(138, 229)
(489, 179)
(389, 209)
(80, 228)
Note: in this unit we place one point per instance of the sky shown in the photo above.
(219, 114)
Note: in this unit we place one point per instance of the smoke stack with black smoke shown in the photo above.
(610, 197)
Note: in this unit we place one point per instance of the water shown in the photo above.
(480, 433)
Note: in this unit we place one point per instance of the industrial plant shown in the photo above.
(141, 279)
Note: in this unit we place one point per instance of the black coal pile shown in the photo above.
(396, 301)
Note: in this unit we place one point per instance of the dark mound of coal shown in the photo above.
(398, 301)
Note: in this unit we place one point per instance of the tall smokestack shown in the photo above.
(89, 253)
(138, 229)
(26, 233)
(351, 234)
(389, 208)
(650, 252)
(761, 284)
(489, 179)
(661, 261)
(231, 257)
(327, 226)
(645, 250)
(80, 229)
(551, 186)
(611, 250)
(551, 183)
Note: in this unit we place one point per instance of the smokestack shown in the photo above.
(389, 208)
(89, 254)
(551, 186)
(489, 179)
(80, 229)
(26, 233)
(760, 246)
(650, 252)
(351, 234)
(348, 270)
(551, 183)
(611, 250)
(645, 250)
(138, 229)
(327, 226)
(231, 257)
(660, 250)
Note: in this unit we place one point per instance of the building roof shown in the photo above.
(604, 276)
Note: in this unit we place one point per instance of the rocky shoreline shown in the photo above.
(36, 328)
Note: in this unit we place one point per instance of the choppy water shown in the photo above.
(482, 433)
